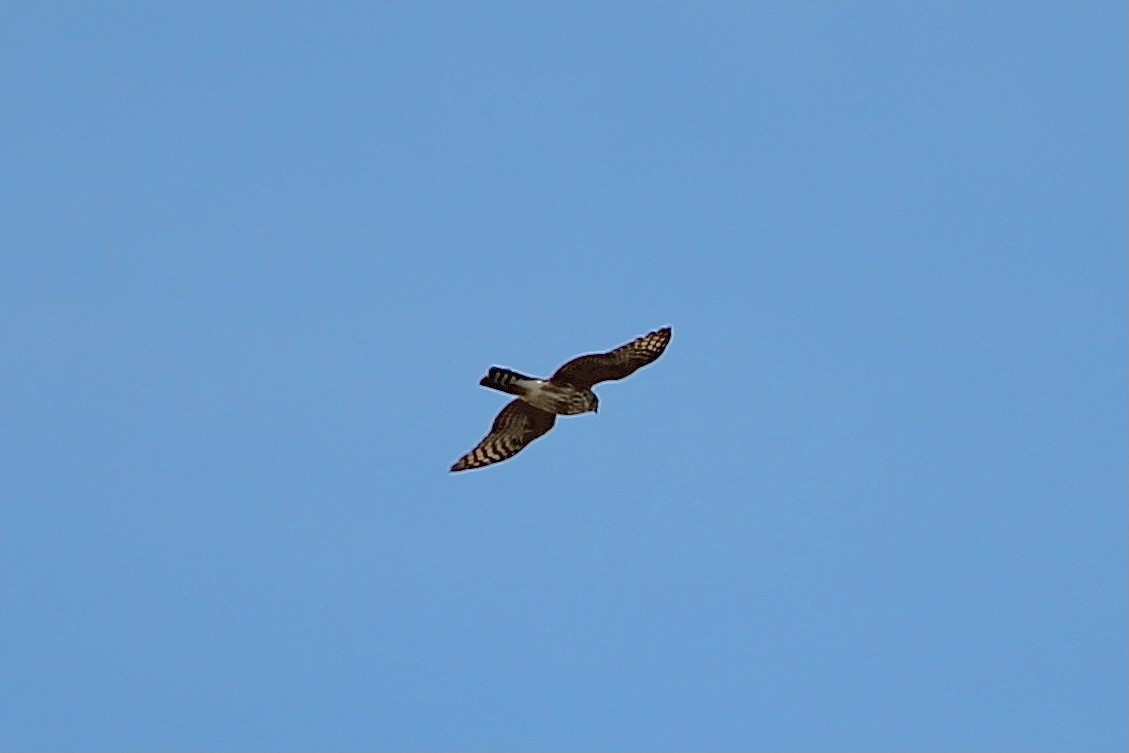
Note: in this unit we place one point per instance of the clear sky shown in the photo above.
(255, 257)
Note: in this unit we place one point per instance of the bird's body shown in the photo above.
(567, 392)
(561, 399)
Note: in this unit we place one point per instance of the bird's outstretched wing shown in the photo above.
(584, 371)
(516, 426)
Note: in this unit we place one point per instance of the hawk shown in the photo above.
(566, 393)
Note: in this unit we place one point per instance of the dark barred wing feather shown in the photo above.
(516, 426)
(585, 371)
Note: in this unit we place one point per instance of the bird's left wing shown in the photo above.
(516, 426)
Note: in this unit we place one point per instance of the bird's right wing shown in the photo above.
(584, 371)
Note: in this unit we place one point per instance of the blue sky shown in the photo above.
(256, 256)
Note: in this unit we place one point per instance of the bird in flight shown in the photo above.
(566, 393)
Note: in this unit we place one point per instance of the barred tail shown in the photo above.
(505, 380)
